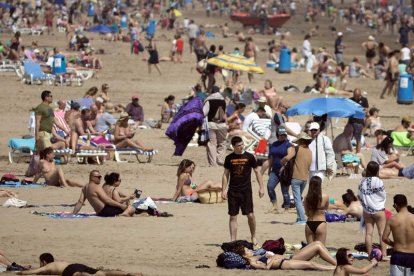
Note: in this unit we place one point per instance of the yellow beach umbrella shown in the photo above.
(235, 62)
(177, 13)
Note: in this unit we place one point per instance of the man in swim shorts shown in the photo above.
(103, 205)
(237, 186)
(48, 266)
(401, 226)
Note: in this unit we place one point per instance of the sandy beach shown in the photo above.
(192, 237)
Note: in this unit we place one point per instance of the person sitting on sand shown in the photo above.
(123, 135)
(5, 193)
(345, 259)
(356, 69)
(372, 122)
(103, 205)
(53, 175)
(299, 261)
(385, 156)
(273, 99)
(185, 184)
(112, 182)
(352, 204)
(168, 109)
(48, 266)
(91, 93)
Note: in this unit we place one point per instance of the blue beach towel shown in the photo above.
(64, 215)
(11, 184)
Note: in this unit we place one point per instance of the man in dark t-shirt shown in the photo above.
(237, 186)
(358, 124)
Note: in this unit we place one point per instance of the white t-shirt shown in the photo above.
(249, 119)
(312, 147)
(405, 53)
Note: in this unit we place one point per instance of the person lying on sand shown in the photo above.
(5, 193)
(48, 266)
(103, 205)
(299, 261)
(53, 175)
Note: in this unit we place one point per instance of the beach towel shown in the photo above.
(165, 200)
(11, 184)
(185, 123)
(64, 215)
(18, 143)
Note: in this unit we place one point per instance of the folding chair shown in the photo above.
(259, 129)
(8, 66)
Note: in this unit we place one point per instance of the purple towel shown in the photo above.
(185, 123)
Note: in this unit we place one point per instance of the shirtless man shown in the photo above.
(200, 48)
(48, 266)
(103, 205)
(401, 226)
(53, 175)
(392, 75)
(250, 53)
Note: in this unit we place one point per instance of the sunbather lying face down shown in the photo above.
(299, 261)
(48, 266)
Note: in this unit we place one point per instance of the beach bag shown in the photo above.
(210, 197)
(33, 165)
(8, 177)
(275, 246)
(231, 246)
(230, 260)
(333, 217)
(287, 171)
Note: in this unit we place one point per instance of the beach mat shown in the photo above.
(48, 205)
(165, 200)
(11, 184)
(64, 215)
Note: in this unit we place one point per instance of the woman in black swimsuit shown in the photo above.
(315, 206)
(299, 261)
(370, 47)
(153, 56)
(14, 47)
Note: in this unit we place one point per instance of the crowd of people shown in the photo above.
(296, 156)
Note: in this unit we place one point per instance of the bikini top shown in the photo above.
(263, 259)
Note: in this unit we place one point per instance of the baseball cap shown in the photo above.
(281, 130)
(340, 34)
(314, 125)
(135, 97)
(215, 89)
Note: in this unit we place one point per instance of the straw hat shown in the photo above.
(124, 116)
(303, 136)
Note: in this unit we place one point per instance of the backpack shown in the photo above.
(275, 246)
(220, 116)
(287, 171)
(231, 260)
(137, 47)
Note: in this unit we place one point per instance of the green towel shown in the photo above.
(401, 139)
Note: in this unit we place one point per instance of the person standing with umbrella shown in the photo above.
(323, 155)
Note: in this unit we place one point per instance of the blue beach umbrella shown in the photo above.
(100, 29)
(333, 107)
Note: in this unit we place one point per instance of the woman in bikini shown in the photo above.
(299, 261)
(112, 182)
(345, 259)
(235, 122)
(123, 135)
(316, 204)
(168, 109)
(273, 99)
(185, 184)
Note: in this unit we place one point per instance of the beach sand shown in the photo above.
(192, 237)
